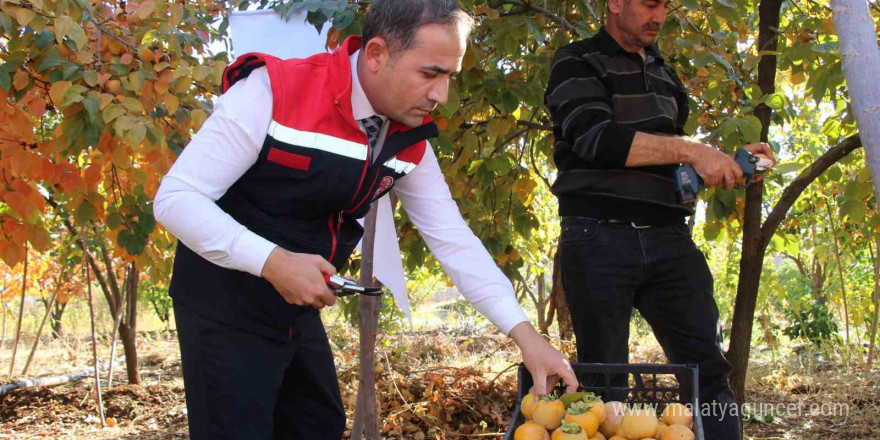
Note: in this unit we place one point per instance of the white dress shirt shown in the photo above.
(229, 143)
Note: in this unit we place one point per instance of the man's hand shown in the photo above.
(299, 278)
(716, 168)
(761, 149)
(542, 360)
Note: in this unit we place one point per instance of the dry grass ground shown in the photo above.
(431, 385)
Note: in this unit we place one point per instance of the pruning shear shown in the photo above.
(345, 287)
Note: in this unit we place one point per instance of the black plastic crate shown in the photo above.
(643, 388)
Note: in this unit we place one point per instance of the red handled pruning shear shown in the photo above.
(345, 287)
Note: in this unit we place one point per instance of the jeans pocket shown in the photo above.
(577, 230)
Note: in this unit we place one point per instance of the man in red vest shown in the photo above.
(264, 202)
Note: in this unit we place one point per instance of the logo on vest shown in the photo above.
(384, 185)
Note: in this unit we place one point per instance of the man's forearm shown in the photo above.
(649, 149)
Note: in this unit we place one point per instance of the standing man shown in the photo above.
(264, 201)
(618, 116)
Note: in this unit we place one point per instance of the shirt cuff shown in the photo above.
(506, 315)
(252, 251)
(614, 143)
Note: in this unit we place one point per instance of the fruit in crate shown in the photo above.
(549, 412)
(569, 398)
(678, 432)
(638, 423)
(569, 431)
(597, 406)
(527, 407)
(614, 412)
(598, 436)
(678, 414)
(581, 414)
(530, 431)
(661, 428)
(617, 437)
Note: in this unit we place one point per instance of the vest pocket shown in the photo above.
(290, 160)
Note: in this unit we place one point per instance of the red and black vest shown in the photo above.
(311, 182)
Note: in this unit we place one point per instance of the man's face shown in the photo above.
(411, 83)
(640, 20)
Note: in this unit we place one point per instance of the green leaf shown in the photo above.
(750, 127)
(788, 167)
(114, 220)
(5, 80)
(90, 77)
(343, 20)
(85, 212)
(834, 173)
(132, 104)
(62, 27)
(690, 4)
(474, 165)
(51, 58)
(78, 36)
(92, 105)
(72, 95)
(112, 112)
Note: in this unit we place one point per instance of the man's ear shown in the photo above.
(615, 6)
(376, 54)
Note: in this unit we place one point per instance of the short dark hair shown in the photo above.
(397, 21)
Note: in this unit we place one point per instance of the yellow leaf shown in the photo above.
(25, 16)
(176, 14)
(56, 92)
(62, 27)
(20, 80)
(171, 103)
(106, 99)
(145, 9)
(132, 104)
(198, 118)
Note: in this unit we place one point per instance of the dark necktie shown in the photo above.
(373, 125)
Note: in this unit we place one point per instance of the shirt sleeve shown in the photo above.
(226, 146)
(580, 107)
(427, 201)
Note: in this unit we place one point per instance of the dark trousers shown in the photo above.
(608, 269)
(243, 386)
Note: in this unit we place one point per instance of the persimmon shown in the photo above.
(661, 428)
(678, 432)
(530, 431)
(678, 414)
(614, 412)
(569, 431)
(638, 423)
(549, 412)
(598, 436)
(597, 406)
(618, 437)
(528, 404)
(581, 414)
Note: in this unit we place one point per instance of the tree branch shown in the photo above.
(803, 180)
(526, 6)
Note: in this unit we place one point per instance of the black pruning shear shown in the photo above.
(345, 287)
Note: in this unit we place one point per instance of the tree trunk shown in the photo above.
(57, 313)
(20, 312)
(3, 337)
(366, 414)
(128, 329)
(860, 55)
(875, 298)
(842, 282)
(49, 307)
(563, 315)
(752, 260)
(88, 281)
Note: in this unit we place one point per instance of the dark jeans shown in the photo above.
(609, 268)
(242, 386)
